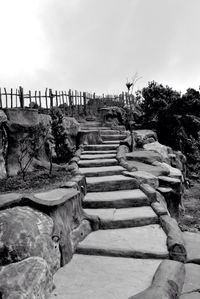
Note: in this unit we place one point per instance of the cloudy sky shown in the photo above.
(94, 45)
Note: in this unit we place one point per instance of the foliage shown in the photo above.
(175, 117)
(63, 147)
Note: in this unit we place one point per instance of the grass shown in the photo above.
(35, 181)
(190, 218)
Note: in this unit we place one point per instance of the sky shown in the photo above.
(95, 45)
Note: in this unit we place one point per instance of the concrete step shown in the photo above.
(97, 162)
(89, 127)
(100, 147)
(113, 132)
(115, 199)
(111, 142)
(103, 277)
(97, 156)
(98, 152)
(136, 242)
(101, 171)
(113, 137)
(111, 183)
(126, 217)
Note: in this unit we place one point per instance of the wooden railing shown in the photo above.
(73, 102)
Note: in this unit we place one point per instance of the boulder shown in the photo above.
(26, 232)
(113, 114)
(152, 169)
(70, 125)
(163, 150)
(144, 136)
(86, 137)
(3, 141)
(143, 156)
(21, 124)
(30, 278)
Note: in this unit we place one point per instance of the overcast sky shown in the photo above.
(94, 45)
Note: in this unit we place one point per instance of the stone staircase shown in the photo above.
(129, 233)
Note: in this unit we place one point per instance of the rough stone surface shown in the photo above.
(152, 169)
(20, 122)
(101, 171)
(115, 199)
(163, 150)
(26, 232)
(192, 243)
(144, 242)
(54, 197)
(30, 278)
(97, 162)
(89, 137)
(104, 277)
(143, 177)
(144, 136)
(126, 217)
(97, 156)
(111, 183)
(9, 199)
(192, 278)
(71, 125)
(100, 147)
(193, 295)
(148, 157)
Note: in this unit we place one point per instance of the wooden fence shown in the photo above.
(73, 102)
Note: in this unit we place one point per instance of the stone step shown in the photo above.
(99, 128)
(97, 156)
(113, 132)
(115, 199)
(97, 162)
(126, 217)
(98, 152)
(100, 147)
(101, 171)
(113, 137)
(111, 142)
(136, 242)
(111, 183)
(104, 277)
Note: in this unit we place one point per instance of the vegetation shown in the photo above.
(175, 118)
(63, 147)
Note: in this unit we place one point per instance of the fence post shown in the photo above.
(51, 98)
(84, 103)
(0, 100)
(21, 97)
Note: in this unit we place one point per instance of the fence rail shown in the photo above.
(72, 101)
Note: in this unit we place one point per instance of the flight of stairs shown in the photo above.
(128, 225)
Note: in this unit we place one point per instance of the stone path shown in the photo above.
(121, 258)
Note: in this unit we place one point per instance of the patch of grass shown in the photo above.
(190, 219)
(35, 181)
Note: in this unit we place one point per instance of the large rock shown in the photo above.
(21, 124)
(3, 121)
(86, 137)
(26, 232)
(143, 156)
(30, 278)
(144, 136)
(163, 150)
(70, 125)
(114, 114)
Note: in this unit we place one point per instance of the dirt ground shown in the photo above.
(190, 218)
